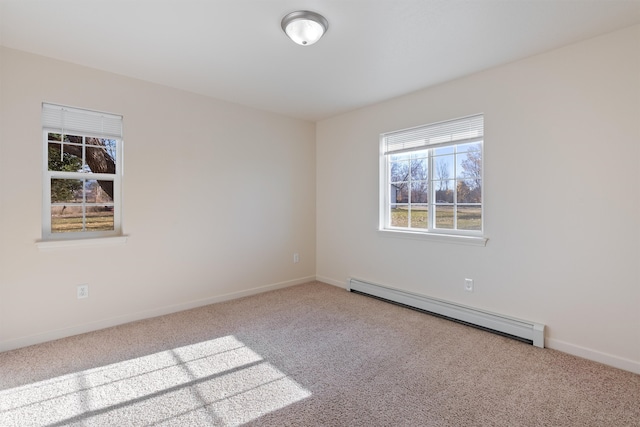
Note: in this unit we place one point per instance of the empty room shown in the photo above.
(319, 213)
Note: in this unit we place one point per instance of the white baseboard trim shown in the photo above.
(575, 350)
(340, 284)
(147, 314)
(596, 356)
(565, 347)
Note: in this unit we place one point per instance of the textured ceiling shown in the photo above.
(235, 50)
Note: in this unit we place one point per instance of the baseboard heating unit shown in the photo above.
(522, 330)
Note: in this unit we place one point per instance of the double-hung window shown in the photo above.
(82, 173)
(431, 178)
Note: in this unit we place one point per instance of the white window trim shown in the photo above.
(435, 237)
(45, 245)
(52, 123)
(467, 237)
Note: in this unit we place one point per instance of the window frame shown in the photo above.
(85, 130)
(431, 232)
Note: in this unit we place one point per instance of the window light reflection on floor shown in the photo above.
(220, 381)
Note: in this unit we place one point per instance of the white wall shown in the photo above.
(562, 197)
(217, 198)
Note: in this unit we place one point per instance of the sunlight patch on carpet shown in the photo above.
(220, 381)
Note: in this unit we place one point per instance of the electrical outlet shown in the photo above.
(468, 285)
(83, 291)
(296, 258)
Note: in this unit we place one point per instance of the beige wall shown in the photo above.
(217, 198)
(562, 197)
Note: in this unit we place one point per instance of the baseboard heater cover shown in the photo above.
(520, 329)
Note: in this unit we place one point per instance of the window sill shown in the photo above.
(45, 245)
(436, 237)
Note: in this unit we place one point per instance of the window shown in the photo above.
(82, 173)
(431, 178)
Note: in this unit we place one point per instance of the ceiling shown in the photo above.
(235, 50)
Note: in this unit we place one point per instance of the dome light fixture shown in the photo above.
(304, 27)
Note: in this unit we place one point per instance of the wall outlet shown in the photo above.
(296, 258)
(468, 285)
(83, 291)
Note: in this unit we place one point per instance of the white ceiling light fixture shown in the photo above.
(304, 27)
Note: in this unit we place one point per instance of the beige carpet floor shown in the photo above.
(307, 355)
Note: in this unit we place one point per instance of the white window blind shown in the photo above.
(74, 120)
(457, 131)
